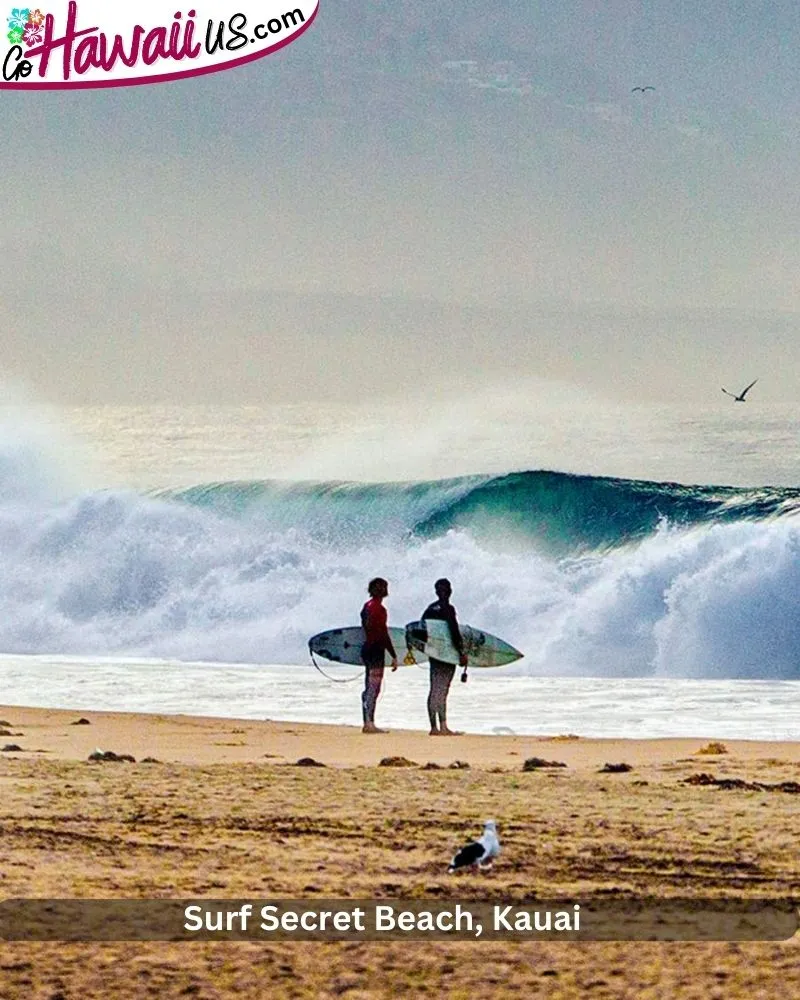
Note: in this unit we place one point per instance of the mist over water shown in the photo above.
(589, 576)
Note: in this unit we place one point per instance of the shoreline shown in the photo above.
(491, 704)
(193, 739)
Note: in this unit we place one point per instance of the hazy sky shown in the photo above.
(420, 192)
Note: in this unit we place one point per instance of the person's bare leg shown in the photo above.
(434, 731)
(369, 699)
(446, 681)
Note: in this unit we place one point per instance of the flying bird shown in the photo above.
(742, 394)
(478, 853)
(642, 89)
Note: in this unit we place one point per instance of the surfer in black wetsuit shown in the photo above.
(377, 642)
(442, 673)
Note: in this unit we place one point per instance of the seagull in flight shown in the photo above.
(642, 89)
(478, 853)
(742, 394)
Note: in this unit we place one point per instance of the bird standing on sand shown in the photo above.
(742, 394)
(478, 853)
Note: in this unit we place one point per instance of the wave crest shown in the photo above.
(588, 576)
(558, 512)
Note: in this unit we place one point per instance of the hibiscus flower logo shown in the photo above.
(19, 18)
(33, 33)
(25, 26)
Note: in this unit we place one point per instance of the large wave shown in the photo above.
(555, 512)
(589, 576)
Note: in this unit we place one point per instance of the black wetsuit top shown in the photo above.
(445, 612)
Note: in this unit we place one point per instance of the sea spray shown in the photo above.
(589, 576)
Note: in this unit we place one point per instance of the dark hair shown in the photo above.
(443, 582)
(373, 585)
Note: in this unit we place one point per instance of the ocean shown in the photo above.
(645, 559)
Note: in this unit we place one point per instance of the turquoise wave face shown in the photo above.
(673, 581)
(554, 512)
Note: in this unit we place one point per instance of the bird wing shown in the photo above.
(469, 854)
(748, 388)
(648, 88)
(634, 89)
(728, 393)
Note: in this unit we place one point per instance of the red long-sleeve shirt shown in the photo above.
(374, 619)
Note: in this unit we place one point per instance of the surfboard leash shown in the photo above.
(336, 680)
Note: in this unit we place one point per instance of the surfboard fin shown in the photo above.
(408, 659)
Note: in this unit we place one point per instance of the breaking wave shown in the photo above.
(589, 576)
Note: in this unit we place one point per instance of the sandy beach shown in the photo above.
(223, 811)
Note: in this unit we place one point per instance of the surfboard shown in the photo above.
(432, 637)
(343, 645)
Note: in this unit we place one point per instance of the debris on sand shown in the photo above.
(110, 755)
(730, 784)
(615, 768)
(309, 762)
(534, 763)
(714, 747)
(397, 762)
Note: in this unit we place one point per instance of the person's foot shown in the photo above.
(370, 727)
(434, 732)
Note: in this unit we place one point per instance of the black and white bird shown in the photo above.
(742, 394)
(478, 853)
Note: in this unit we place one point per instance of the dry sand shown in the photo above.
(225, 813)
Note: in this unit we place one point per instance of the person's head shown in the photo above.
(378, 587)
(443, 589)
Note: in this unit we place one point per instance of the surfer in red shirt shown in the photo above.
(377, 642)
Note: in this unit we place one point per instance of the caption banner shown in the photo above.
(377, 920)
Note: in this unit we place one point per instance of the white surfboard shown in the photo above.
(343, 645)
(432, 638)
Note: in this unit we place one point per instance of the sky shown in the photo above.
(443, 194)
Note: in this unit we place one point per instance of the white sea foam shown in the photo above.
(116, 573)
(491, 702)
